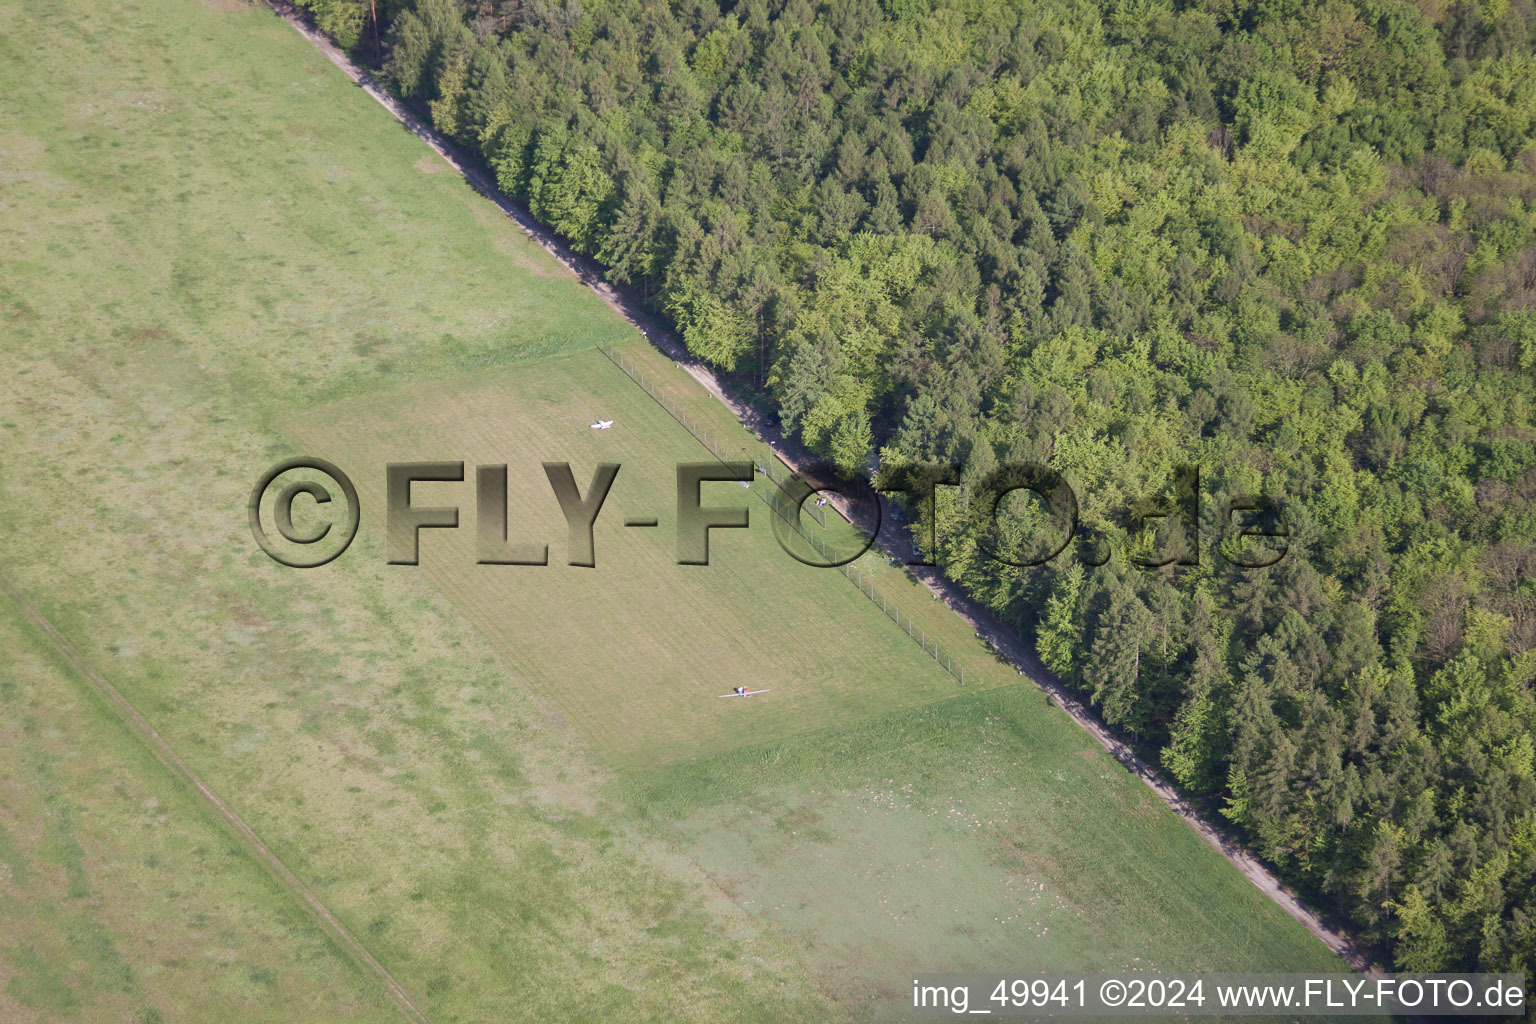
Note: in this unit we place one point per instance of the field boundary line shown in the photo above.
(1004, 640)
(167, 756)
(860, 580)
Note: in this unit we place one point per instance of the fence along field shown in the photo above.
(634, 651)
(781, 500)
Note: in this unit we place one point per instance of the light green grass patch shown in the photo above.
(982, 834)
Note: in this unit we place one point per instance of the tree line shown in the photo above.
(1290, 242)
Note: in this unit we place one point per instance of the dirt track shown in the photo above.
(140, 727)
(1004, 640)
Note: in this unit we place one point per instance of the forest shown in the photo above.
(1290, 243)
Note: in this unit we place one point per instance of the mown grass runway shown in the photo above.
(207, 236)
(635, 650)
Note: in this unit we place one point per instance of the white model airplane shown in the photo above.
(742, 691)
(602, 424)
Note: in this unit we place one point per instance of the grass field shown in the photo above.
(204, 228)
(121, 899)
(635, 651)
(211, 245)
(965, 836)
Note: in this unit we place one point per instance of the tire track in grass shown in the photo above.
(151, 738)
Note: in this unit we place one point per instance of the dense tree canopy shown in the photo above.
(1290, 242)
